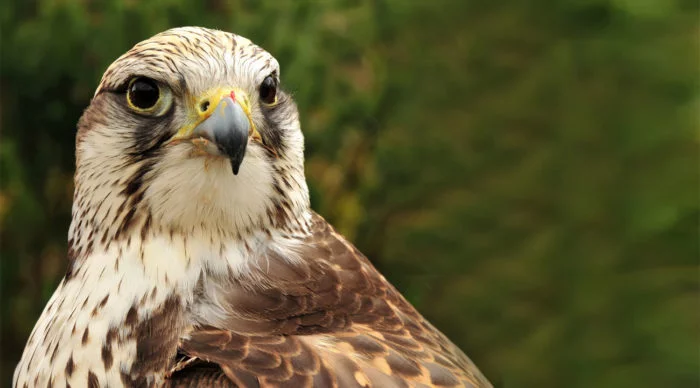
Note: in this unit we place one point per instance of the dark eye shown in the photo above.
(268, 90)
(143, 94)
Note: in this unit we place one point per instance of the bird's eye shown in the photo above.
(144, 95)
(268, 90)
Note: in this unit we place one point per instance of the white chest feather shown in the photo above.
(88, 328)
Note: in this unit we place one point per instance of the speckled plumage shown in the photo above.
(183, 274)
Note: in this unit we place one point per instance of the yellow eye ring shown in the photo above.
(146, 96)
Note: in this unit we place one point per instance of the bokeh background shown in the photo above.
(526, 172)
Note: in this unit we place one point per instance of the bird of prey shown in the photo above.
(194, 256)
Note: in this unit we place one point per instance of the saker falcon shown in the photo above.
(194, 257)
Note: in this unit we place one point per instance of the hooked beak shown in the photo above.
(222, 127)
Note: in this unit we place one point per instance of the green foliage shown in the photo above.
(525, 172)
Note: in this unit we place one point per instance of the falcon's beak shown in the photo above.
(222, 126)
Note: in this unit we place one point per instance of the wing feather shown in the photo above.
(331, 320)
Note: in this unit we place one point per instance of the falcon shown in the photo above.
(194, 256)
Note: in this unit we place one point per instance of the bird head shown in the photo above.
(190, 129)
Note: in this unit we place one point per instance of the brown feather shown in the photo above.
(329, 320)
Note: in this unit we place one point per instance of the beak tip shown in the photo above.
(236, 165)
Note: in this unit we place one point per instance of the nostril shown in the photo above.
(204, 105)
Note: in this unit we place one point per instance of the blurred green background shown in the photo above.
(526, 172)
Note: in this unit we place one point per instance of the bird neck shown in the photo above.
(151, 199)
(128, 293)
